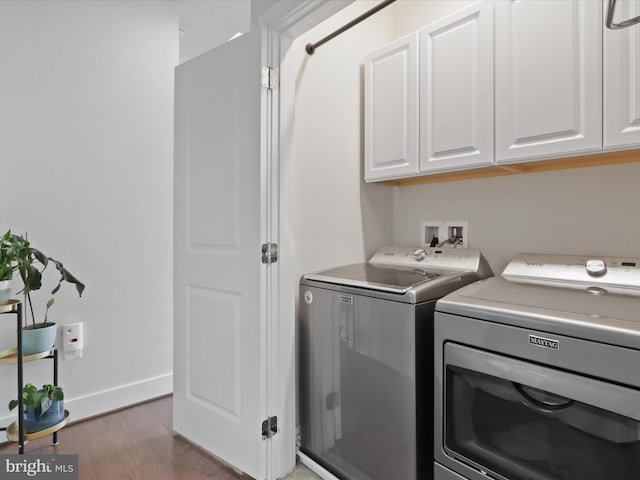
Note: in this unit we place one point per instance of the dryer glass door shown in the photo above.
(524, 421)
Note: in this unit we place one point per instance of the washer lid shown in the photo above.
(385, 278)
(407, 274)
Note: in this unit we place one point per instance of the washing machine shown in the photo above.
(366, 360)
(536, 372)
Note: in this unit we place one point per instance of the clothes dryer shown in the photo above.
(536, 372)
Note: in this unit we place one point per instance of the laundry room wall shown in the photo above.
(585, 211)
(205, 25)
(409, 15)
(86, 150)
(337, 218)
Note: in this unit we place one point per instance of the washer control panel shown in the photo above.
(428, 257)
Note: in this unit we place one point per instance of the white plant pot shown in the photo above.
(5, 291)
(38, 340)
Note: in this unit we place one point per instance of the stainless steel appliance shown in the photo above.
(536, 372)
(366, 360)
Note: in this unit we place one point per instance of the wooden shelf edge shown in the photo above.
(10, 306)
(582, 161)
(10, 356)
(12, 430)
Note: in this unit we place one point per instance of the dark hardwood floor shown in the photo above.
(136, 443)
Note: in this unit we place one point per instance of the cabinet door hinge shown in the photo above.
(269, 253)
(270, 78)
(269, 427)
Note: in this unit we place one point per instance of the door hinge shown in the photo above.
(269, 253)
(270, 78)
(332, 400)
(269, 427)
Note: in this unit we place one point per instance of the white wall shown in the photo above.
(258, 8)
(86, 147)
(207, 24)
(337, 218)
(409, 15)
(585, 211)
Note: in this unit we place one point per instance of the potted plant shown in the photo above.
(31, 263)
(8, 265)
(42, 408)
(17, 255)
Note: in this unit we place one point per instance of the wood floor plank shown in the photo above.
(136, 443)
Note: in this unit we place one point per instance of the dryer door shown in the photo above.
(522, 421)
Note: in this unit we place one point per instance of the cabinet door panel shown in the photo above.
(391, 110)
(622, 80)
(456, 90)
(548, 78)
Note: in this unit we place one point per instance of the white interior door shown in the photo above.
(220, 283)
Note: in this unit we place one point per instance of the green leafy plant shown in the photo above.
(17, 254)
(8, 256)
(40, 399)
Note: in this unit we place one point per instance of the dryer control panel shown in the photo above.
(597, 271)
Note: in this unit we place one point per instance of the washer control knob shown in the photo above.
(595, 268)
(420, 254)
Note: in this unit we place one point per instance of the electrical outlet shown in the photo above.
(430, 229)
(72, 341)
(456, 231)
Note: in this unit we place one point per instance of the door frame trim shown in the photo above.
(282, 23)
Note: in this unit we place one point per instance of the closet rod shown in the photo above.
(311, 47)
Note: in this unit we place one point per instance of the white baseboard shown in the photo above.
(102, 402)
(315, 468)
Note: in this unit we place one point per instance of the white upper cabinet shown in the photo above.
(456, 90)
(503, 82)
(548, 78)
(622, 79)
(391, 110)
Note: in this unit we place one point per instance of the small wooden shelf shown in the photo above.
(12, 430)
(10, 356)
(11, 306)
